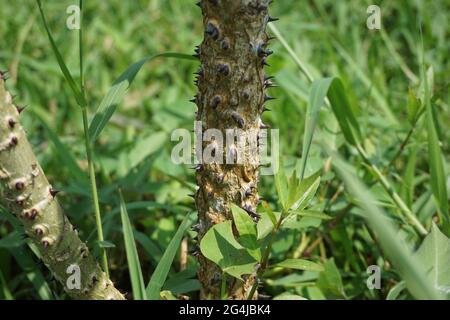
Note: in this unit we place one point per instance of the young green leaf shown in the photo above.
(220, 246)
(281, 185)
(248, 234)
(269, 212)
(162, 270)
(134, 266)
(304, 192)
(311, 214)
(266, 225)
(299, 264)
(330, 280)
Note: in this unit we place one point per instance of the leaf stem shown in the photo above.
(392, 193)
(90, 152)
(265, 259)
(223, 287)
(98, 219)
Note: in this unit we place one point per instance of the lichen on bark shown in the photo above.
(231, 95)
(29, 196)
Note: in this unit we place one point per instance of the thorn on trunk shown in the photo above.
(54, 192)
(4, 75)
(14, 141)
(225, 45)
(215, 102)
(20, 109)
(239, 120)
(12, 123)
(212, 31)
(224, 69)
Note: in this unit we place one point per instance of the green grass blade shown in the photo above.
(33, 274)
(379, 98)
(291, 52)
(22, 255)
(344, 112)
(319, 91)
(396, 291)
(134, 266)
(76, 91)
(435, 156)
(4, 290)
(118, 90)
(394, 245)
(408, 178)
(299, 264)
(162, 270)
(339, 103)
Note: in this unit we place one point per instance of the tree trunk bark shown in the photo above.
(30, 197)
(231, 95)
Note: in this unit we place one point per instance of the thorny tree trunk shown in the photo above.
(30, 197)
(231, 95)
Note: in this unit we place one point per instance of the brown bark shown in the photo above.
(231, 95)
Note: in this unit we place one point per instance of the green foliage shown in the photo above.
(299, 264)
(330, 281)
(398, 250)
(434, 254)
(220, 246)
(379, 101)
(118, 91)
(437, 172)
(134, 266)
(159, 276)
(248, 233)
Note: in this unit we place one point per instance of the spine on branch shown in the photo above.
(30, 197)
(231, 95)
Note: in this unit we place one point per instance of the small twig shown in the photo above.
(265, 259)
(401, 149)
(391, 192)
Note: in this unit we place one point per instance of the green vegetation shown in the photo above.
(363, 174)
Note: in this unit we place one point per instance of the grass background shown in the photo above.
(377, 67)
